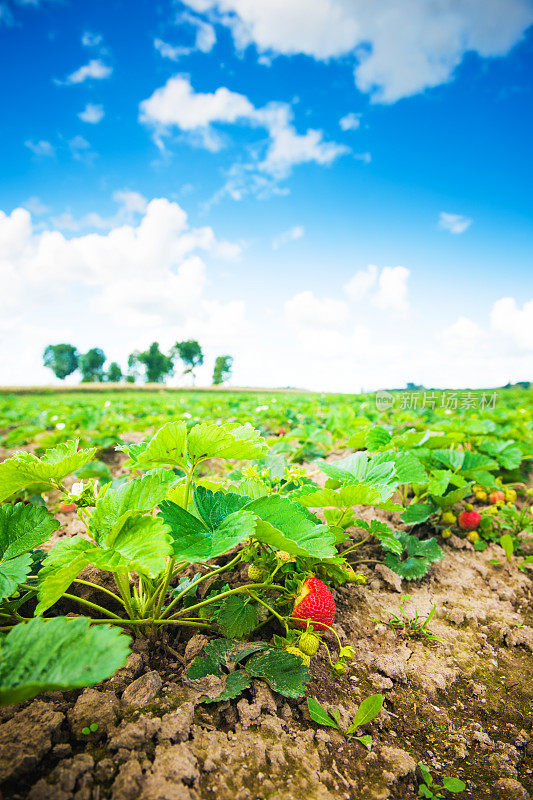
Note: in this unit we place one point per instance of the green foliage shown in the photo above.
(157, 365)
(195, 542)
(114, 373)
(284, 525)
(25, 471)
(367, 711)
(91, 365)
(190, 353)
(57, 655)
(222, 369)
(22, 527)
(432, 790)
(62, 359)
(416, 558)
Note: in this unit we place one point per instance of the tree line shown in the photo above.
(151, 365)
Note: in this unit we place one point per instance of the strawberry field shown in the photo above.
(233, 594)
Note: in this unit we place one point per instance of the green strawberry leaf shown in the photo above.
(167, 447)
(25, 471)
(214, 507)
(236, 683)
(417, 557)
(408, 468)
(284, 672)
(22, 527)
(454, 785)
(220, 653)
(59, 654)
(141, 494)
(377, 437)
(286, 526)
(195, 542)
(237, 617)
(209, 440)
(417, 513)
(60, 567)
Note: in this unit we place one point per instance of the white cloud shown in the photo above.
(177, 105)
(92, 113)
(463, 338)
(304, 309)
(454, 223)
(172, 52)
(350, 122)
(36, 206)
(290, 235)
(91, 39)
(513, 322)
(399, 48)
(40, 148)
(80, 149)
(360, 284)
(204, 38)
(392, 289)
(94, 70)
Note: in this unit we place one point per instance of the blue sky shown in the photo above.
(339, 198)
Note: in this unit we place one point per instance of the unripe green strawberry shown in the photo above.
(449, 518)
(309, 643)
(481, 496)
(255, 573)
(510, 495)
(284, 556)
(469, 507)
(297, 652)
(340, 668)
(473, 536)
(446, 533)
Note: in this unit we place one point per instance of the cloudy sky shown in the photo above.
(336, 192)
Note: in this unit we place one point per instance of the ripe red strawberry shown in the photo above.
(66, 508)
(496, 497)
(315, 603)
(469, 520)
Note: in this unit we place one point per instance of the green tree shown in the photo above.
(62, 359)
(222, 370)
(114, 373)
(190, 353)
(92, 365)
(156, 364)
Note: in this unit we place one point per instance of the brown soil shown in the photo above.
(461, 705)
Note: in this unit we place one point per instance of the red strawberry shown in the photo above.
(496, 497)
(314, 603)
(66, 508)
(469, 520)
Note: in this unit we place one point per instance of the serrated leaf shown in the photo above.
(377, 437)
(209, 440)
(417, 559)
(319, 714)
(22, 527)
(286, 526)
(369, 708)
(408, 468)
(135, 543)
(358, 494)
(237, 617)
(166, 447)
(452, 497)
(218, 653)
(25, 471)
(417, 513)
(236, 683)
(58, 655)
(194, 542)
(60, 567)
(214, 507)
(254, 489)
(389, 541)
(451, 459)
(140, 494)
(284, 672)
(439, 481)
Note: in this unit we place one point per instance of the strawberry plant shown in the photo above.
(367, 711)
